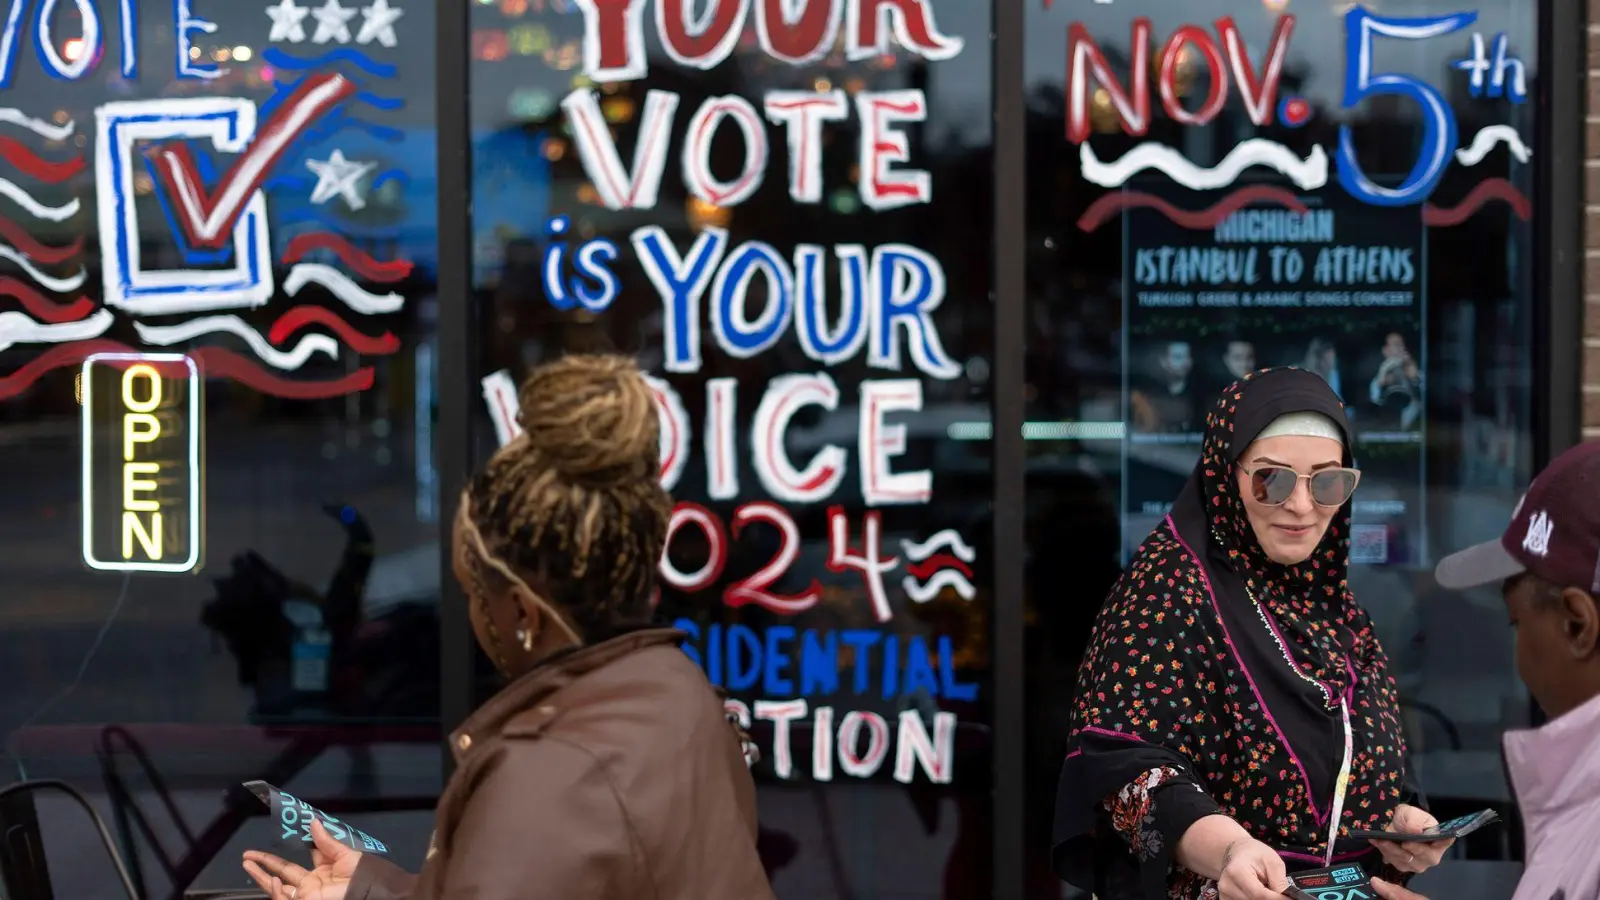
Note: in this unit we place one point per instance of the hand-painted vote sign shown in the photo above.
(226, 218)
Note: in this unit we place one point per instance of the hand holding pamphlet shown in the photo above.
(294, 817)
(1342, 882)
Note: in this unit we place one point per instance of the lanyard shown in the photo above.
(1337, 812)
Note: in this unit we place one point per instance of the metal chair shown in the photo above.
(51, 784)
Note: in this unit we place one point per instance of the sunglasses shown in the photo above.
(1274, 485)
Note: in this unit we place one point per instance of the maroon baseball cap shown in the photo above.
(1554, 533)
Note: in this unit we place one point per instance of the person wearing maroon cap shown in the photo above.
(1548, 567)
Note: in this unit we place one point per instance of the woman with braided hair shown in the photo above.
(607, 768)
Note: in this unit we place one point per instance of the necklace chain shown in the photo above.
(1327, 695)
(1341, 782)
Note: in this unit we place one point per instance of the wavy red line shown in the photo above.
(1111, 204)
(302, 316)
(216, 361)
(359, 260)
(58, 357)
(213, 361)
(47, 311)
(18, 237)
(17, 154)
(1487, 190)
(923, 570)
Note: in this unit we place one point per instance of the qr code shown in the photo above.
(1369, 544)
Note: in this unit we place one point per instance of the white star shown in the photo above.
(286, 22)
(332, 22)
(377, 23)
(337, 177)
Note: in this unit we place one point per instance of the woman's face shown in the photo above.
(1290, 531)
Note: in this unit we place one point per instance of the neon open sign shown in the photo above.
(141, 462)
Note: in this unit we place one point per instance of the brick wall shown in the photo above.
(1591, 236)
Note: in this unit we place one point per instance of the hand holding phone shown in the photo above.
(1444, 831)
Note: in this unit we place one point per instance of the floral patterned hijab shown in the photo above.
(1311, 608)
(1223, 679)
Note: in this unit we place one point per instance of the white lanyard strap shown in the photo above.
(1337, 812)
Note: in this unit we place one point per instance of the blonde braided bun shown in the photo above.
(592, 418)
(576, 501)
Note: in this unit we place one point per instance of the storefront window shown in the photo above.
(783, 215)
(211, 565)
(220, 245)
(1227, 186)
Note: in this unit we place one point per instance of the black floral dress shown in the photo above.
(1218, 681)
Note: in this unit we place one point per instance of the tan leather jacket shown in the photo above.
(611, 772)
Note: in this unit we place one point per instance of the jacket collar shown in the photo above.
(1555, 765)
(549, 677)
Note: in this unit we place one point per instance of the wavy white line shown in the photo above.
(38, 126)
(17, 328)
(340, 285)
(1486, 139)
(946, 538)
(59, 285)
(944, 578)
(1308, 174)
(50, 213)
(288, 360)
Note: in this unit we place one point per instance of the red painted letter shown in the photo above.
(1171, 54)
(911, 21)
(1260, 93)
(804, 40)
(701, 44)
(1085, 60)
(613, 39)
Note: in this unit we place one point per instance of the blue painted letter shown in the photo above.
(908, 285)
(775, 680)
(860, 642)
(1438, 121)
(681, 283)
(819, 663)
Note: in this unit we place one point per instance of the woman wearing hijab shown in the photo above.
(1234, 713)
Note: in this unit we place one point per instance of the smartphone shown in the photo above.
(1444, 831)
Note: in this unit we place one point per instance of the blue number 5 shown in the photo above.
(1438, 121)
